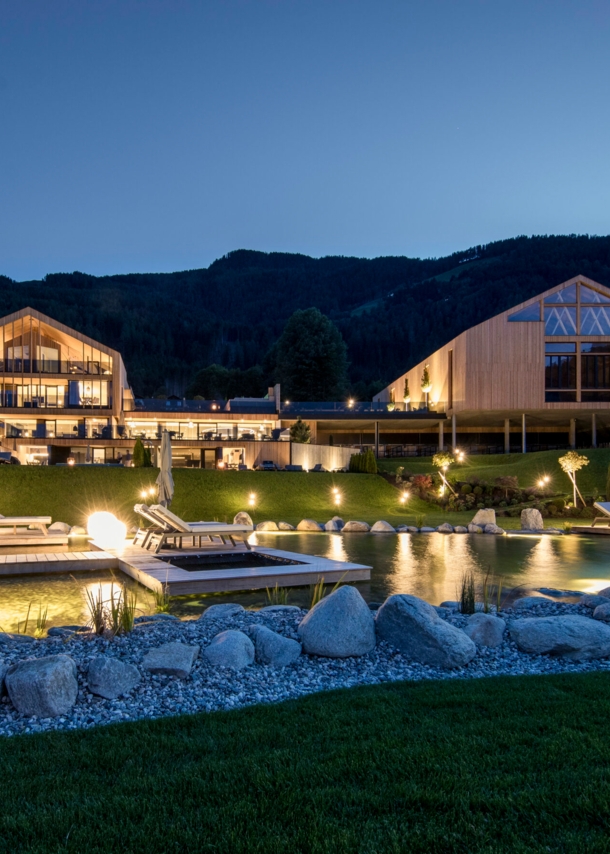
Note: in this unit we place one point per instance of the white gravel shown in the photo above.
(208, 688)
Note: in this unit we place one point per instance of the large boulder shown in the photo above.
(230, 649)
(493, 529)
(242, 518)
(356, 528)
(474, 529)
(59, 528)
(78, 531)
(333, 527)
(602, 612)
(273, 649)
(485, 629)
(414, 627)
(604, 592)
(590, 600)
(285, 526)
(222, 612)
(3, 671)
(267, 526)
(309, 525)
(445, 528)
(484, 517)
(531, 520)
(460, 529)
(171, 659)
(572, 637)
(45, 687)
(382, 527)
(110, 678)
(339, 626)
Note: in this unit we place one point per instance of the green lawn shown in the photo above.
(70, 495)
(514, 765)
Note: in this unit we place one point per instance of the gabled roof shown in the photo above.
(61, 327)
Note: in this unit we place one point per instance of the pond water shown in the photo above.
(429, 566)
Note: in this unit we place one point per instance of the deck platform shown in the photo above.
(161, 575)
(589, 529)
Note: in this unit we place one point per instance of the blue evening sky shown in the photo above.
(152, 135)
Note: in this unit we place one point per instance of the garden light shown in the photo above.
(404, 497)
(251, 499)
(70, 461)
(337, 498)
(106, 530)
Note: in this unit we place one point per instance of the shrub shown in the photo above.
(466, 489)
(138, 454)
(552, 509)
(422, 482)
(478, 490)
(371, 462)
(559, 503)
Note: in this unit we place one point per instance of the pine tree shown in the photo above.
(300, 432)
(370, 462)
(147, 458)
(138, 454)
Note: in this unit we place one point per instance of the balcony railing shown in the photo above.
(52, 366)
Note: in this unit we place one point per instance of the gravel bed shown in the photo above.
(209, 689)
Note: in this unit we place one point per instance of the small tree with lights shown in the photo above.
(571, 463)
(442, 461)
(426, 383)
(406, 394)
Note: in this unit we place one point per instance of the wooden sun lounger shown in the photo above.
(168, 530)
(14, 522)
(604, 506)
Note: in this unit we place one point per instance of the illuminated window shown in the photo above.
(531, 313)
(566, 295)
(560, 320)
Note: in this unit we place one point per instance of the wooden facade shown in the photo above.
(501, 369)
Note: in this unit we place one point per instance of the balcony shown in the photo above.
(51, 366)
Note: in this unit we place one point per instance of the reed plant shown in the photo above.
(162, 599)
(128, 610)
(41, 621)
(277, 595)
(466, 593)
(97, 615)
(419, 520)
(23, 630)
(492, 589)
(318, 591)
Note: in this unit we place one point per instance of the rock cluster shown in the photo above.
(231, 657)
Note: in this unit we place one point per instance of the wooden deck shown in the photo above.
(156, 574)
(160, 575)
(589, 529)
(34, 538)
(38, 563)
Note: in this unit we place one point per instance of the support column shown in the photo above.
(572, 432)
(376, 439)
(441, 436)
(523, 435)
(507, 436)
(593, 430)
(453, 433)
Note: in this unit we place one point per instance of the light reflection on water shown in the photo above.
(426, 565)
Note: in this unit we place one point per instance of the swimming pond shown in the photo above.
(426, 565)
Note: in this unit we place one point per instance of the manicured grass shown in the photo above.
(492, 765)
(70, 495)
(528, 468)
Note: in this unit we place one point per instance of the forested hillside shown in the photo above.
(391, 311)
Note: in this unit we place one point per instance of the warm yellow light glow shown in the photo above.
(337, 499)
(144, 493)
(335, 490)
(404, 497)
(220, 464)
(70, 461)
(107, 531)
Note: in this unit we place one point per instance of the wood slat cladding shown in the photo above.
(498, 365)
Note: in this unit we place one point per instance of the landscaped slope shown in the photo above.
(514, 764)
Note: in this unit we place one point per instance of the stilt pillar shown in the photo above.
(507, 436)
(523, 435)
(572, 432)
(453, 433)
(377, 439)
(441, 436)
(593, 430)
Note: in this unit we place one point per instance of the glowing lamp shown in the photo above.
(70, 461)
(337, 499)
(106, 530)
(220, 464)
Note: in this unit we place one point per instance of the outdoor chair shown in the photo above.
(169, 530)
(604, 506)
(156, 526)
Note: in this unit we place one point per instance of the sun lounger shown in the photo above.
(167, 529)
(604, 506)
(38, 522)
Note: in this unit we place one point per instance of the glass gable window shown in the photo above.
(560, 320)
(594, 320)
(531, 313)
(566, 295)
(588, 295)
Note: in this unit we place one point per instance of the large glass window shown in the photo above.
(595, 366)
(594, 320)
(531, 313)
(565, 295)
(588, 295)
(560, 320)
(560, 372)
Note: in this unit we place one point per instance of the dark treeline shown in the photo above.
(391, 311)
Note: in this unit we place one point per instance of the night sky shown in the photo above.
(159, 135)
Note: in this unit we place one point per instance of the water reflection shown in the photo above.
(430, 566)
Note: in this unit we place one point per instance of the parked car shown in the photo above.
(266, 465)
